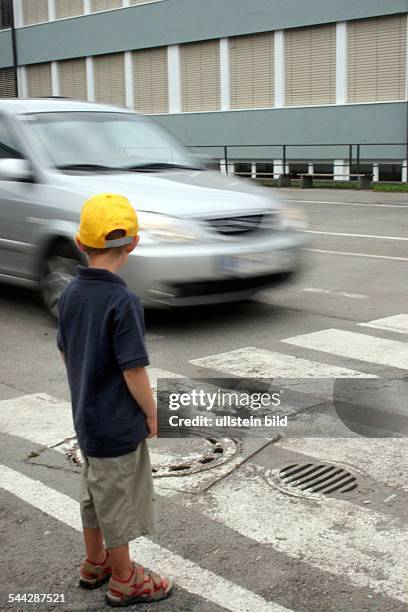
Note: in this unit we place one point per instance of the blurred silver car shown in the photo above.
(205, 237)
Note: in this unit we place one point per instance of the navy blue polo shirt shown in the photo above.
(101, 334)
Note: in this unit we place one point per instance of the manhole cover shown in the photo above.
(174, 457)
(318, 478)
(183, 457)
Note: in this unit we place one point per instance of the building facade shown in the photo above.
(326, 78)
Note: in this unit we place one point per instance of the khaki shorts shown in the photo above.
(117, 496)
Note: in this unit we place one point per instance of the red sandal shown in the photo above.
(92, 575)
(143, 586)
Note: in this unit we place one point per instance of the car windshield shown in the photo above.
(108, 141)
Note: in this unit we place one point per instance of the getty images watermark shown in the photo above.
(199, 399)
(294, 407)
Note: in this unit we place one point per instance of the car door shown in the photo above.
(15, 205)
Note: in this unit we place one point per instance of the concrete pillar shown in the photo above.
(277, 168)
(341, 170)
(279, 64)
(222, 166)
(376, 172)
(404, 173)
(55, 87)
(224, 74)
(253, 170)
(22, 82)
(231, 168)
(174, 78)
(18, 13)
(310, 168)
(129, 84)
(90, 79)
(51, 10)
(341, 62)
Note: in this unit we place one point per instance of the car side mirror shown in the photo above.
(13, 169)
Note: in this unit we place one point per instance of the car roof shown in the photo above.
(18, 106)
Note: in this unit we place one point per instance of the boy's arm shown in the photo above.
(138, 383)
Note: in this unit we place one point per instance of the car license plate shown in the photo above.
(254, 264)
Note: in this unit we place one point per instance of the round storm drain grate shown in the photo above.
(318, 478)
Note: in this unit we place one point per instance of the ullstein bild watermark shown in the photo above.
(240, 408)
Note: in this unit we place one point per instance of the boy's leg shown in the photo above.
(96, 568)
(95, 549)
(121, 562)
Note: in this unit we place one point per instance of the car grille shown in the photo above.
(231, 226)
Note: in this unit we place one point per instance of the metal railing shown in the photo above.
(353, 152)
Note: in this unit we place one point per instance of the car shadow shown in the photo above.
(22, 299)
(220, 316)
(28, 302)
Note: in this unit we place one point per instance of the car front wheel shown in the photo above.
(58, 271)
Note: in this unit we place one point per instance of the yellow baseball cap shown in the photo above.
(104, 213)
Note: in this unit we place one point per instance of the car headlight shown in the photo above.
(156, 227)
(292, 218)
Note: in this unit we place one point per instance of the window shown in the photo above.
(310, 65)
(5, 14)
(151, 80)
(39, 80)
(7, 83)
(252, 71)
(8, 144)
(35, 11)
(68, 8)
(115, 140)
(72, 76)
(109, 73)
(105, 5)
(200, 76)
(376, 59)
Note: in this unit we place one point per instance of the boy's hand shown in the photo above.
(151, 423)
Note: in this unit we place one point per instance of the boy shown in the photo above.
(101, 338)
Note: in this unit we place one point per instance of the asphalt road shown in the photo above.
(233, 536)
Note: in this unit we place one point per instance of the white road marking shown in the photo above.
(363, 204)
(38, 417)
(338, 537)
(357, 254)
(397, 323)
(155, 373)
(356, 296)
(256, 362)
(187, 575)
(356, 235)
(46, 420)
(352, 345)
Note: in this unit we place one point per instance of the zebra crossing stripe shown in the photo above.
(186, 574)
(156, 373)
(38, 417)
(260, 363)
(46, 420)
(397, 323)
(333, 535)
(391, 353)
